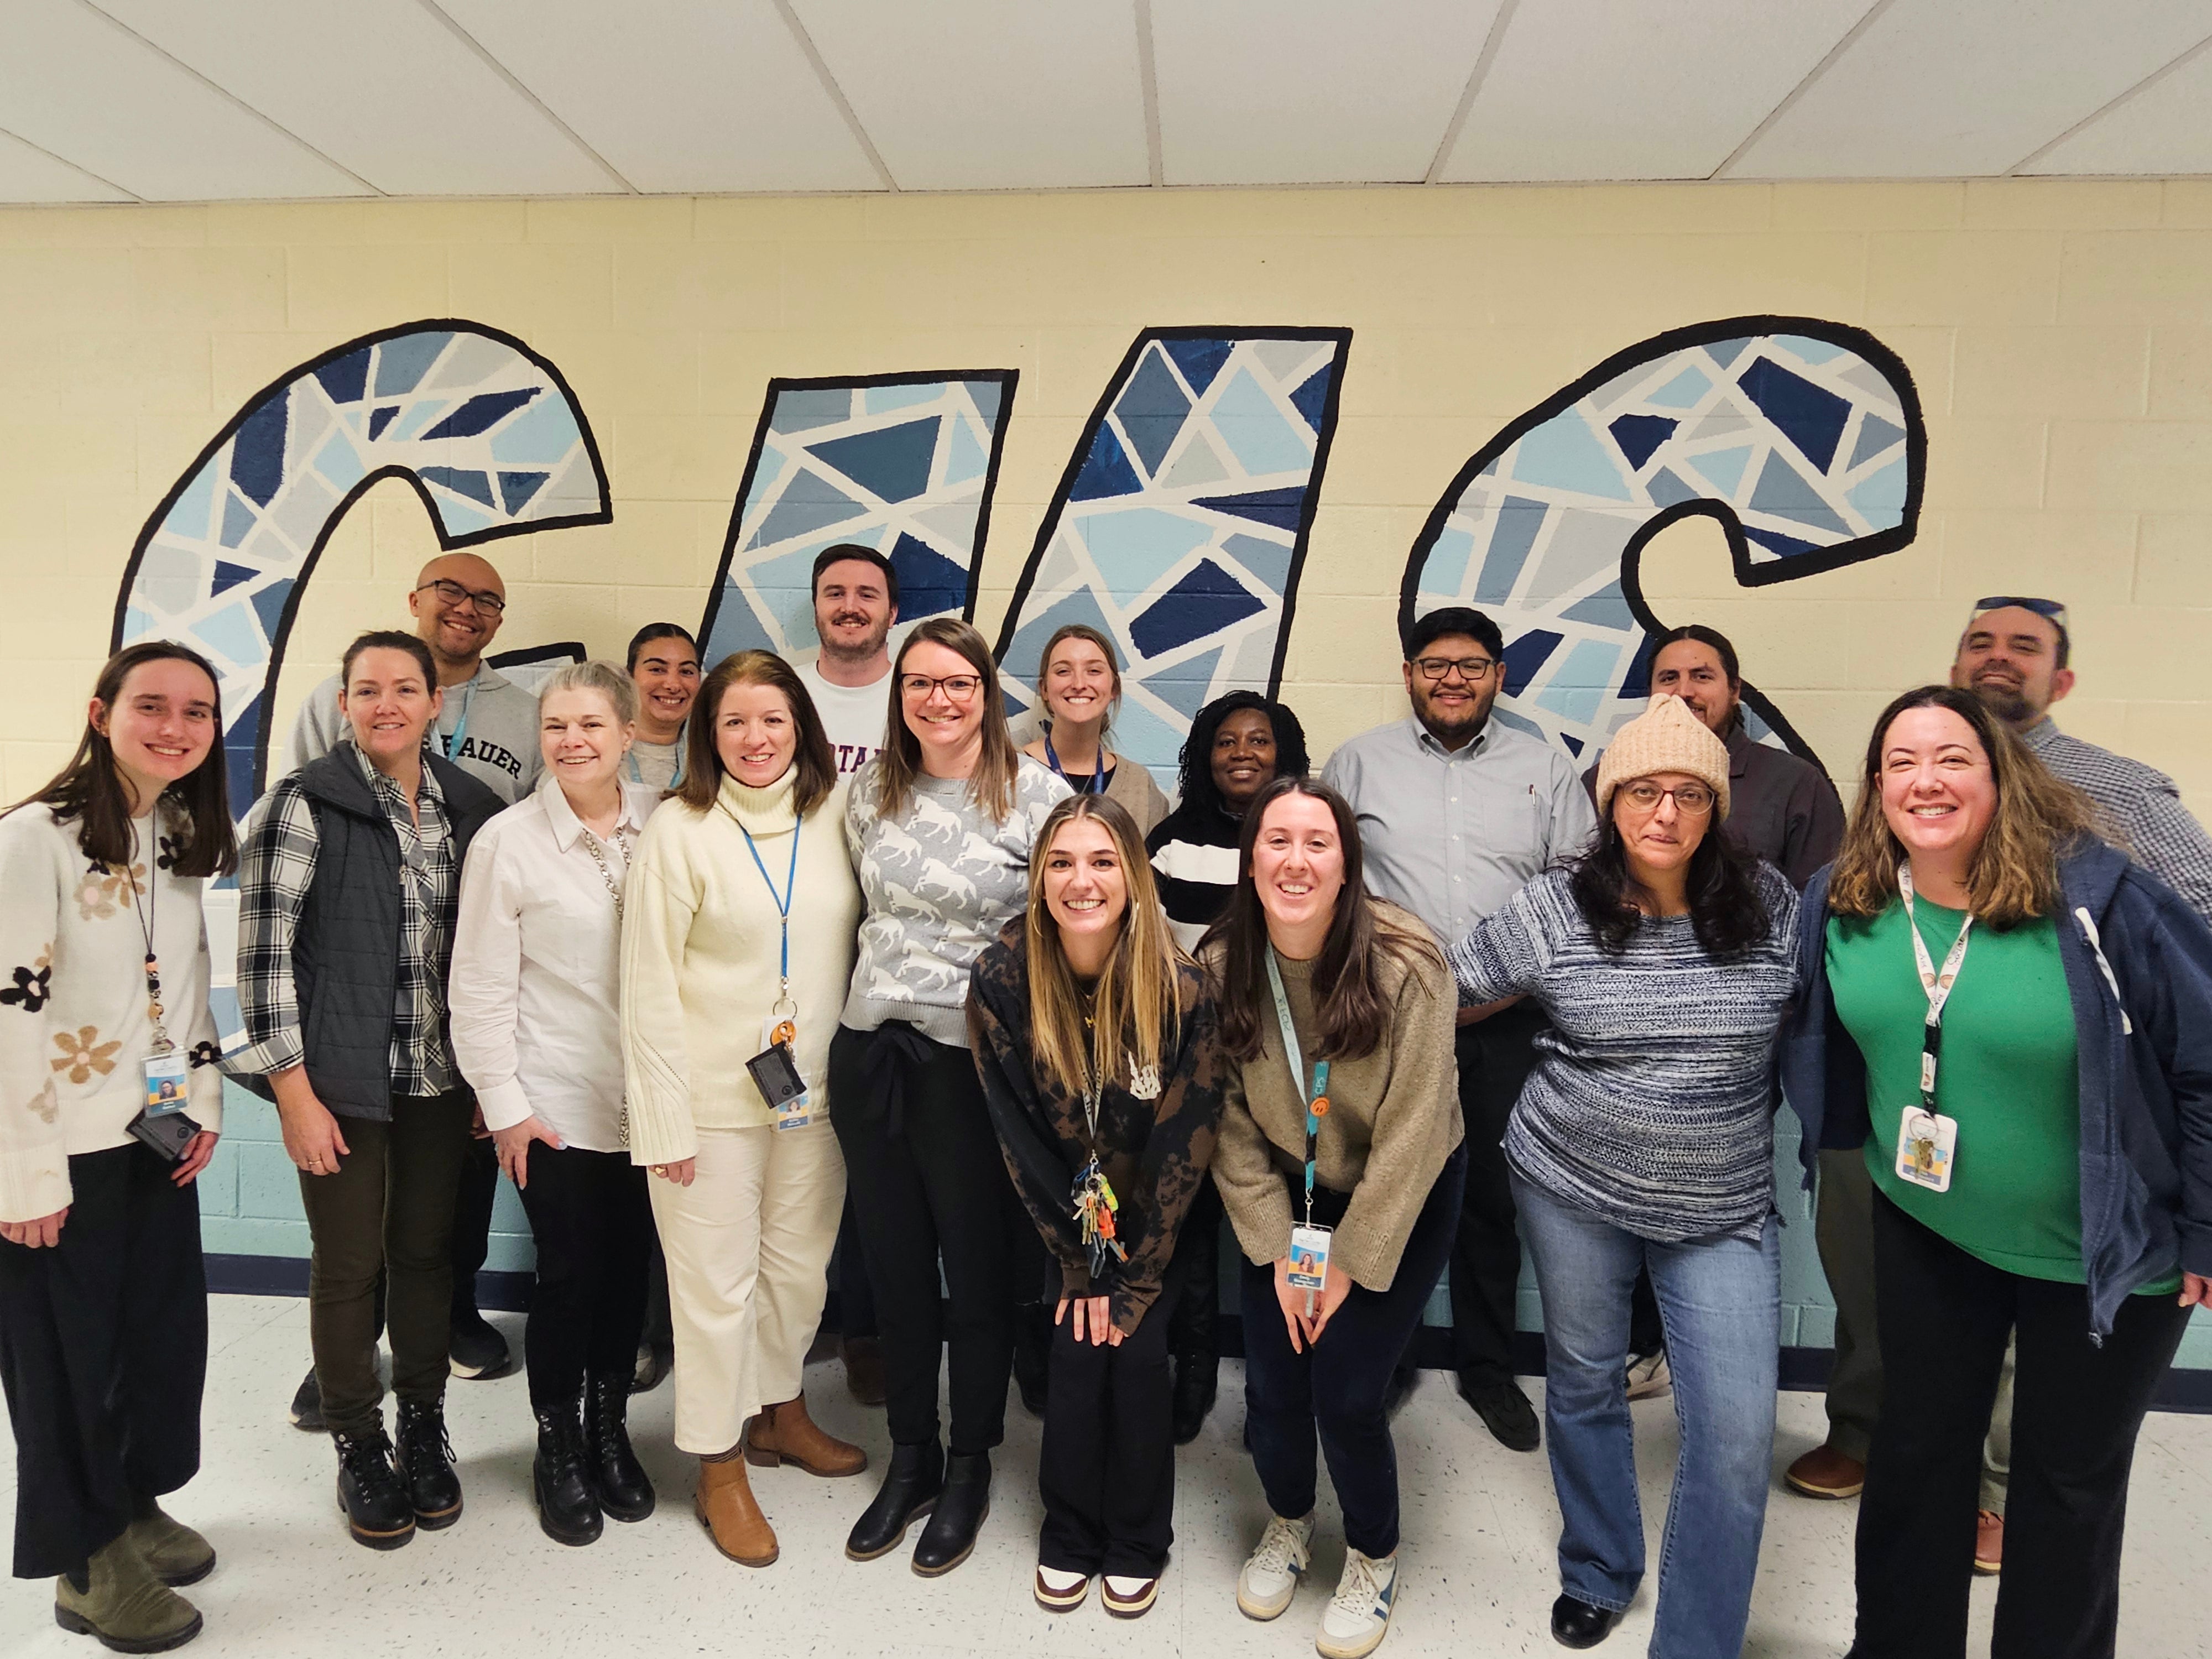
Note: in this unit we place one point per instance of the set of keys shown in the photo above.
(1095, 1209)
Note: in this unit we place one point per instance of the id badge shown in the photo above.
(1309, 1258)
(167, 1087)
(775, 1074)
(1927, 1142)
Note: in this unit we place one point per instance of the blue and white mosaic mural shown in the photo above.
(1181, 523)
(485, 431)
(1801, 438)
(904, 463)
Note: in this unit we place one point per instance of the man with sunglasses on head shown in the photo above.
(1457, 814)
(489, 725)
(488, 729)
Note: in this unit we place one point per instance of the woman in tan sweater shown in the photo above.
(1332, 996)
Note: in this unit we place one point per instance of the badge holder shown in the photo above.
(162, 1126)
(775, 1071)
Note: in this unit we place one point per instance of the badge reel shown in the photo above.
(775, 1072)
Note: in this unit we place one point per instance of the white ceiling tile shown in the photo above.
(27, 174)
(1638, 88)
(678, 95)
(73, 82)
(990, 94)
(1949, 88)
(2163, 128)
(1269, 91)
(381, 87)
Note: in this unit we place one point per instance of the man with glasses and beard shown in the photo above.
(1456, 813)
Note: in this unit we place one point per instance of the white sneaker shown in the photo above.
(1648, 1376)
(1358, 1617)
(1270, 1577)
(1061, 1592)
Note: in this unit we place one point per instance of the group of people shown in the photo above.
(775, 976)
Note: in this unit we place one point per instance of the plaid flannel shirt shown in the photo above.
(277, 866)
(2142, 803)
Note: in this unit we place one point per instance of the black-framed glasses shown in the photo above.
(487, 603)
(1691, 801)
(958, 687)
(1436, 670)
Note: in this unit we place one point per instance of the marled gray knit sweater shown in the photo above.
(1651, 1105)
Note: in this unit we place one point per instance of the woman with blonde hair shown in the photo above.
(940, 826)
(2015, 1022)
(1079, 682)
(1094, 1037)
(737, 946)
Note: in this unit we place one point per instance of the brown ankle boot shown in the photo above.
(785, 1434)
(726, 1509)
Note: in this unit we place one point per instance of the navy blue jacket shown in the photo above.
(2138, 965)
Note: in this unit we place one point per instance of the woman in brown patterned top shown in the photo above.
(1094, 1035)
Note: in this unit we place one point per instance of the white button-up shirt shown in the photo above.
(534, 993)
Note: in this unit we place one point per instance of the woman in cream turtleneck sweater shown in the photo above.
(741, 920)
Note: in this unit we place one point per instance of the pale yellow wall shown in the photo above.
(2061, 335)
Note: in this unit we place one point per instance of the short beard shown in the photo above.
(2009, 706)
(849, 654)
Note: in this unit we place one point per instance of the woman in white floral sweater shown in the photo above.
(103, 1301)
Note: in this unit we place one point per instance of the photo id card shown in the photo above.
(1309, 1258)
(1927, 1142)
(167, 1087)
(775, 1074)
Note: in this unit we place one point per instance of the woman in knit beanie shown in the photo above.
(1644, 1138)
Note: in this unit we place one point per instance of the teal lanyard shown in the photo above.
(675, 782)
(1316, 1098)
(461, 736)
(783, 899)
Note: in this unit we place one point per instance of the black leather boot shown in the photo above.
(1577, 1624)
(565, 1508)
(950, 1536)
(1197, 1379)
(425, 1457)
(910, 1488)
(618, 1479)
(371, 1492)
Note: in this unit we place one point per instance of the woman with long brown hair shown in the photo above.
(108, 1053)
(1341, 1163)
(940, 826)
(737, 946)
(1094, 1037)
(2015, 1022)
(1079, 684)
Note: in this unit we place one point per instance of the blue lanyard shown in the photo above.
(1098, 775)
(675, 782)
(1316, 1098)
(782, 900)
(461, 736)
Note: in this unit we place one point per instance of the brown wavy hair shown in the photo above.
(816, 762)
(1138, 1012)
(1349, 1005)
(899, 761)
(2015, 875)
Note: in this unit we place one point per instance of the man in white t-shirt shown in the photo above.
(855, 603)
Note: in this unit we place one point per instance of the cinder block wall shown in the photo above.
(2060, 335)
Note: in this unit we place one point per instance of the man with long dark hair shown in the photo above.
(1455, 813)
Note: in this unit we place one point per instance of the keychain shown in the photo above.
(1096, 1208)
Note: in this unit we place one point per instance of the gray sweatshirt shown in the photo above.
(493, 720)
(939, 881)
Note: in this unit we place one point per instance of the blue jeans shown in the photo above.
(1720, 1301)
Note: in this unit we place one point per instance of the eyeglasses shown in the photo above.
(958, 687)
(1692, 800)
(487, 603)
(1437, 668)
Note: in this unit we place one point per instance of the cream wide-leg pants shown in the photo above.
(748, 1246)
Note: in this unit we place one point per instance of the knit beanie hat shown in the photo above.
(1665, 738)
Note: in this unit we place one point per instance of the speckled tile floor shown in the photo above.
(1479, 1526)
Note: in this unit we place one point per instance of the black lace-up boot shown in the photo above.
(425, 1457)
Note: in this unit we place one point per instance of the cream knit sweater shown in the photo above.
(700, 953)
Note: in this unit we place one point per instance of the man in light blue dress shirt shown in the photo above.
(1456, 812)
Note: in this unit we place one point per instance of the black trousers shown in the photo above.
(103, 1353)
(1943, 1318)
(856, 1300)
(593, 1224)
(1338, 1385)
(1194, 1331)
(388, 1210)
(472, 1206)
(1495, 1056)
(1107, 1467)
(926, 1178)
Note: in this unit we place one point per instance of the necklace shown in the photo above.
(597, 851)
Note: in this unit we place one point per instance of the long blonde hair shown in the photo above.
(991, 786)
(2038, 819)
(1136, 1010)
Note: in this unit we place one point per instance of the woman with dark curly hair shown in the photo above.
(1644, 1138)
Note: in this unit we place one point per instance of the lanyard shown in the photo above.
(675, 782)
(460, 733)
(783, 899)
(146, 914)
(1936, 985)
(1098, 772)
(1317, 1099)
